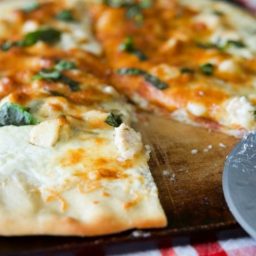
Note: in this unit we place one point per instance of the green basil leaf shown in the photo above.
(186, 70)
(6, 46)
(206, 45)
(128, 46)
(48, 74)
(207, 69)
(114, 120)
(130, 71)
(55, 74)
(134, 9)
(47, 35)
(72, 84)
(153, 80)
(14, 114)
(65, 65)
(235, 43)
(65, 15)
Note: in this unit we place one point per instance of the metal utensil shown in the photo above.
(239, 183)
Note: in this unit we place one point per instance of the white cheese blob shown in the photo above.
(94, 115)
(127, 141)
(228, 67)
(239, 112)
(195, 108)
(47, 133)
(30, 26)
(211, 20)
(165, 72)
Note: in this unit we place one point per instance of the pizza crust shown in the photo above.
(48, 220)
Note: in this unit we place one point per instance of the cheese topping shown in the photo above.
(71, 145)
(127, 141)
(239, 112)
(203, 51)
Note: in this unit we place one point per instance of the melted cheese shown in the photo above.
(127, 141)
(74, 34)
(184, 36)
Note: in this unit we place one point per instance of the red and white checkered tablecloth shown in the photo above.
(224, 243)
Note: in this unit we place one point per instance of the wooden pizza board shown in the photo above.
(187, 164)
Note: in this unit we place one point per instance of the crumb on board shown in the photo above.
(169, 174)
(222, 145)
(173, 177)
(194, 151)
(166, 173)
(139, 233)
(209, 147)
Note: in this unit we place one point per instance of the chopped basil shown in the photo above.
(114, 120)
(55, 74)
(14, 114)
(30, 7)
(133, 8)
(153, 80)
(65, 15)
(186, 70)
(128, 46)
(65, 65)
(235, 43)
(207, 69)
(72, 84)
(206, 45)
(6, 46)
(221, 46)
(47, 35)
(134, 12)
(48, 74)
(130, 71)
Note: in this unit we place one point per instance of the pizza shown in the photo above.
(70, 162)
(193, 61)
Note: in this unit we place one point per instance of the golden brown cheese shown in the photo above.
(178, 40)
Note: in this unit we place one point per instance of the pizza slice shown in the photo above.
(70, 163)
(195, 62)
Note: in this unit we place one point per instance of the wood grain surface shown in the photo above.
(187, 164)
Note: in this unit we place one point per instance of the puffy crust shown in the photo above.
(148, 214)
(66, 226)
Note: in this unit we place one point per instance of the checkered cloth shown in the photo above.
(224, 243)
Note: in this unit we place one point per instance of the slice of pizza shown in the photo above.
(70, 163)
(194, 61)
